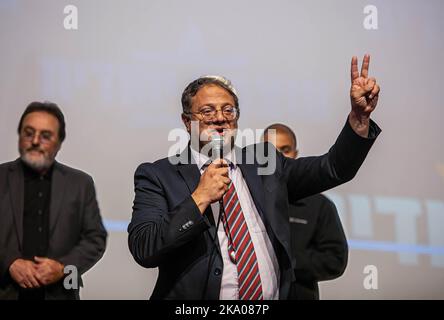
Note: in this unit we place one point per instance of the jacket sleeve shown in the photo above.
(327, 254)
(92, 239)
(7, 257)
(310, 175)
(156, 232)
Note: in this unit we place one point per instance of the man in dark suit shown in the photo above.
(49, 217)
(317, 239)
(219, 229)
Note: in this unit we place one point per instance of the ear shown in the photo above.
(59, 146)
(187, 122)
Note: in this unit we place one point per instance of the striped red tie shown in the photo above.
(240, 247)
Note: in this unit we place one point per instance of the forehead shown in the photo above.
(281, 137)
(41, 120)
(212, 94)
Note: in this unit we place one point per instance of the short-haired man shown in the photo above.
(219, 229)
(318, 241)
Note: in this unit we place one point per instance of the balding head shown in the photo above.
(283, 138)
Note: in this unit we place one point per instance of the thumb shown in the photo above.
(358, 90)
(218, 163)
(39, 259)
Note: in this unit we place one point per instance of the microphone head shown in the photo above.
(217, 145)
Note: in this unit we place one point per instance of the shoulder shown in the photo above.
(325, 200)
(259, 149)
(5, 169)
(165, 169)
(160, 165)
(11, 167)
(73, 174)
(318, 200)
(8, 165)
(262, 153)
(324, 204)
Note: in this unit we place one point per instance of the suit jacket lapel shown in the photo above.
(253, 180)
(58, 186)
(17, 194)
(188, 169)
(257, 191)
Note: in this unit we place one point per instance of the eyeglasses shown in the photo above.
(44, 137)
(209, 113)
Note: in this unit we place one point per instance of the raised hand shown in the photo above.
(364, 94)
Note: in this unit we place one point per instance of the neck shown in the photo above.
(37, 170)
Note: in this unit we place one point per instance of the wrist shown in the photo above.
(14, 263)
(200, 201)
(360, 123)
(62, 268)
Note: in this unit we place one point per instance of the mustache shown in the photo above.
(34, 149)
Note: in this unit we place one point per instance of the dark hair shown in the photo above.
(48, 107)
(191, 90)
(279, 127)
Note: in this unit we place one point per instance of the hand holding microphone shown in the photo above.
(214, 181)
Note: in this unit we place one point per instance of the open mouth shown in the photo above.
(218, 131)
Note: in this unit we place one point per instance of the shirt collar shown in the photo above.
(30, 173)
(203, 160)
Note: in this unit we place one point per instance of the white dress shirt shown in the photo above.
(266, 257)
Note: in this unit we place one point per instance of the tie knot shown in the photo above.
(209, 161)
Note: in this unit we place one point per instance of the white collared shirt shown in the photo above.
(266, 257)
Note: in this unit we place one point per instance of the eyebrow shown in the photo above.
(212, 105)
(33, 129)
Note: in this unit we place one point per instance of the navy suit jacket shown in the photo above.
(168, 231)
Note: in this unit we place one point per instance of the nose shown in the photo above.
(219, 117)
(35, 140)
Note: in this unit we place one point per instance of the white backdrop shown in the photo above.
(120, 75)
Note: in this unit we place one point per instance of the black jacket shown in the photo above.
(318, 245)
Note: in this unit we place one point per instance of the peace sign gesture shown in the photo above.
(364, 94)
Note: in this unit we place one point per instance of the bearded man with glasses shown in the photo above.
(49, 217)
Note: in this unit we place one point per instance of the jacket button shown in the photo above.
(217, 272)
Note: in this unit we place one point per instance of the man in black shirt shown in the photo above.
(35, 221)
(49, 217)
(318, 241)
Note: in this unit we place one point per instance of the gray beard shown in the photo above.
(40, 164)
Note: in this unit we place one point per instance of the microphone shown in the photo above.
(217, 153)
(217, 146)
